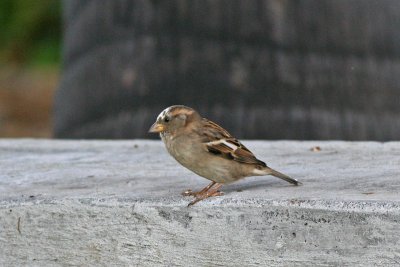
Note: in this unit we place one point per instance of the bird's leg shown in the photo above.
(191, 193)
(213, 191)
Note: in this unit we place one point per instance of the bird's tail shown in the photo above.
(269, 171)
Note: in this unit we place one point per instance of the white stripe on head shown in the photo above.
(163, 113)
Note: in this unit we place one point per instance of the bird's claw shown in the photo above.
(188, 193)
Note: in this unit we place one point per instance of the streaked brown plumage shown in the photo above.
(207, 149)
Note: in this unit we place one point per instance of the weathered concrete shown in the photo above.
(117, 203)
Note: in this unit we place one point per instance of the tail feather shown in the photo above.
(269, 171)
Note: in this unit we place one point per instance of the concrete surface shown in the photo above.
(118, 203)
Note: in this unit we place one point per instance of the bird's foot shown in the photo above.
(212, 191)
(204, 196)
(189, 192)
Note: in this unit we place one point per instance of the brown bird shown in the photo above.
(208, 150)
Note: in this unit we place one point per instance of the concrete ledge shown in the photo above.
(117, 203)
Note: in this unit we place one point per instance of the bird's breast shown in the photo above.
(183, 151)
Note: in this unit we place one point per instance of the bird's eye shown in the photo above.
(166, 119)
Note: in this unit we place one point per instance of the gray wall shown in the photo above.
(263, 69)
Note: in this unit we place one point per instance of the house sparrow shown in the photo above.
(208, 150)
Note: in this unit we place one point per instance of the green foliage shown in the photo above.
(30, 32)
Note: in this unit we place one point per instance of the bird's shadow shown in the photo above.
(249, 185)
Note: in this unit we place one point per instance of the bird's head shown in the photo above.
(174, 119)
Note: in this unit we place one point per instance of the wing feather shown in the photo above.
(220, 143)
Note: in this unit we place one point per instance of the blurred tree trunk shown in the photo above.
(273, 69)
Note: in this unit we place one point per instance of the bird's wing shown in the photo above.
(220, 143)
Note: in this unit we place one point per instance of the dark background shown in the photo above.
(263, 69)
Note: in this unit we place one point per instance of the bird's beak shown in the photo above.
(156, 128)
